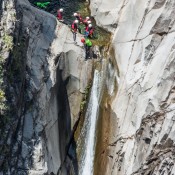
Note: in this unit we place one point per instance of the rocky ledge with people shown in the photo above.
(80, 24)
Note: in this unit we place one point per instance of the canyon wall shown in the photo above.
(142, 125)
(45, 77)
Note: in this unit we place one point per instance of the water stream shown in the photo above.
(87, 140)
(86, 144)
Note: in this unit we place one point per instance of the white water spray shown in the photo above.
(89, 128)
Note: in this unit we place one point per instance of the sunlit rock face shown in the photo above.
(46, 93)
(106, 13)
(142, 136)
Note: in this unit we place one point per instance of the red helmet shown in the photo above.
(82, 40)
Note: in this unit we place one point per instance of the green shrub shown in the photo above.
(85, 97)
(2, 100)
(8, 41)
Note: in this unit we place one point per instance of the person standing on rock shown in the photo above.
(88, 45)
(90, 31)
(74, 28)
(60, 14)
(86, 33)
(86, 21)
(78, 16)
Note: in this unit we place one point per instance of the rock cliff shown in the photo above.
(142, 128)
(44, 81)
(45, 75)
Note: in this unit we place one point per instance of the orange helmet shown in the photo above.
(82, 40)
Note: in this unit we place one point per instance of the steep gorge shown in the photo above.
(46, 76)
(44, 73)
(142, 137)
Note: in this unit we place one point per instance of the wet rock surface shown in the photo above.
(143, 139)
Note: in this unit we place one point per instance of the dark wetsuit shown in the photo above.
(74, 27)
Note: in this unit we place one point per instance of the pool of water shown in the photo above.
(71, 6)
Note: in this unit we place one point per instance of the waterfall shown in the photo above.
(89, 129)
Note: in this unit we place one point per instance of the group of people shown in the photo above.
(77, 23)
(88, 30)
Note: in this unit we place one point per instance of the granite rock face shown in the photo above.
(48, 76)
(142, 135)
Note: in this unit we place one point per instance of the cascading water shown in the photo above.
(88, 134)
(89, 129)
